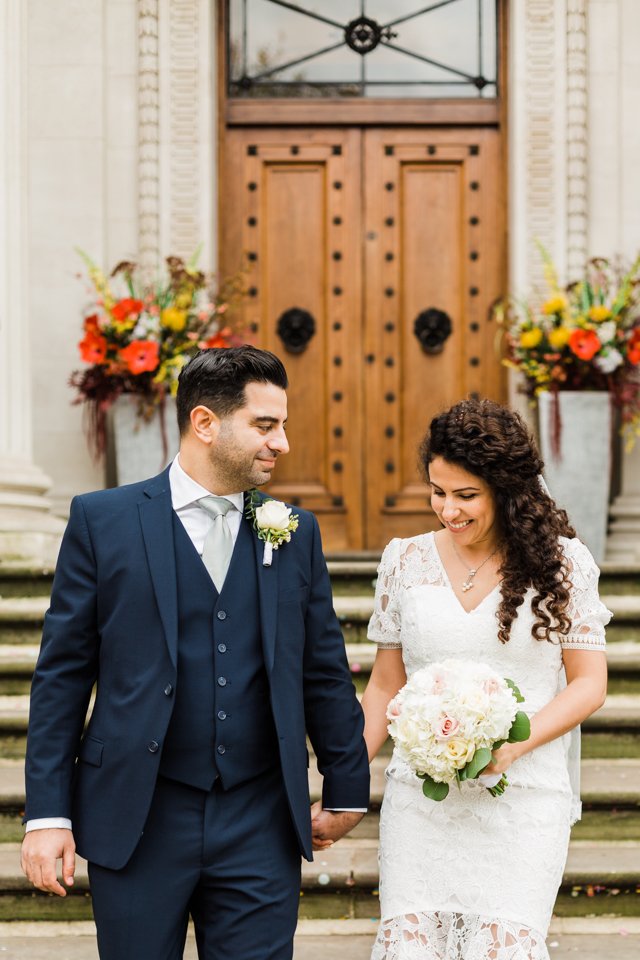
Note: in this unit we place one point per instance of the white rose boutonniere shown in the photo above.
(274, 523)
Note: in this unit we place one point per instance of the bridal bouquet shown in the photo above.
(449, 717)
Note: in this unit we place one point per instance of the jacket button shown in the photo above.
(221, 749)
(222, 682)
(154, 746)
(222, 648)
(221, 615)
(222, 715)
(168, 690)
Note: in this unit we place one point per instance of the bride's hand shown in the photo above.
(503, 757)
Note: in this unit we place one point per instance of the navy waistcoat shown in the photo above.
(221, 725)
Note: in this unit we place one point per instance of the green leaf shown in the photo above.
(516, 691)
(433, 790)
(478, 762)
(520, 728)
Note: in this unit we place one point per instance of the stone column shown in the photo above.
(29, 533)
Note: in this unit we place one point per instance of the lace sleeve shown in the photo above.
(384, 626)
(588, 614)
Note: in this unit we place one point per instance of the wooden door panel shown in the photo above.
(292, 218)
(432, 242)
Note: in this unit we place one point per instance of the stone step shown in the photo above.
(620, 711)
(603, 782)
(30, 610)
(588, 938)
(354, 863)
(359, 608)
(622, 657)
(20, 659)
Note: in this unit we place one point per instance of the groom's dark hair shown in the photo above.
(217, 378)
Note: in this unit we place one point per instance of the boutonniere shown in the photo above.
(273, 522)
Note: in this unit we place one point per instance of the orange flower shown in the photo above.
(141, 356)
(633, 350)
(93, 348)
(126, 308)
(92, 325)
(217, 340)
(584, 343)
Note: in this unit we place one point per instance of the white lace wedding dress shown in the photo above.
(475, 877)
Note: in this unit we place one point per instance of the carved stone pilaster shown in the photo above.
(577, 137)
(149, 135)
(183, 127)
(543, 159)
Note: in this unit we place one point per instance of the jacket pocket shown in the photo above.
(294, 594)
(91, 751)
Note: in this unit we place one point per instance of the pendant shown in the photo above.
(468, 584)
(267, 556)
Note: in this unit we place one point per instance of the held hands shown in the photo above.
(40, 851)
(327, 826)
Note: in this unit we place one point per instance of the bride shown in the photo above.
(504, 582)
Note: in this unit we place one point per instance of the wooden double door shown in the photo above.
(373, 257)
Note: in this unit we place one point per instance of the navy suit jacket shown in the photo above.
(113, 623)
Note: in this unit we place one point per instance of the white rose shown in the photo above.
(607, 331)
(609, 361)
(273, 515)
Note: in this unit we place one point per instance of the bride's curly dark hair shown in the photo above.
(493, 443)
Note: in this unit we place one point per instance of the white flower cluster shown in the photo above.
(447, 711)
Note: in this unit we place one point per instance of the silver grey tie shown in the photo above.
(218, 544)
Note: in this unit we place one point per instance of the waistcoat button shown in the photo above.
(221, 615)
(222, 715)
(222, 647)
(221, 749)
(154, 746)
(222, 682)
(168, 690)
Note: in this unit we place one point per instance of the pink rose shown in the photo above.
(446, 727)
(491, 686)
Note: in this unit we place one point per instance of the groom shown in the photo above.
(187, 792)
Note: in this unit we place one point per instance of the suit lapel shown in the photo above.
(268, 594)
(156, 519)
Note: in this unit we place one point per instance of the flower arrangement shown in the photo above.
(583, 337)
(138, 343)
(448, 718)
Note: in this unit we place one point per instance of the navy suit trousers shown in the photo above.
(230, 859)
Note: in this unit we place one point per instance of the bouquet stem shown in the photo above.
(500, 786)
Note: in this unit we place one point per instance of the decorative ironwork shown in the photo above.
(432, 327)
(295, 328)
(363, 35)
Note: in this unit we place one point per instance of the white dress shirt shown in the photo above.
(185, 493)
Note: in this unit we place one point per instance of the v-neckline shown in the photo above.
(450, 585)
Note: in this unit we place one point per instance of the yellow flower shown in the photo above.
(173, 318)
(599, 313)
(183, 301)
(554, 305)
(559, 337)
(530, 338)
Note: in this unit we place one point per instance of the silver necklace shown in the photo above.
(468, 584)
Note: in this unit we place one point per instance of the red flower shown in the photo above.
(93, 348)
(92, 325)
(633, 350)
(220, 339)
(141, 356)
(584, 343)
(126, 308)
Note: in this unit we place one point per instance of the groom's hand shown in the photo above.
(41, 849)
(327, 826)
